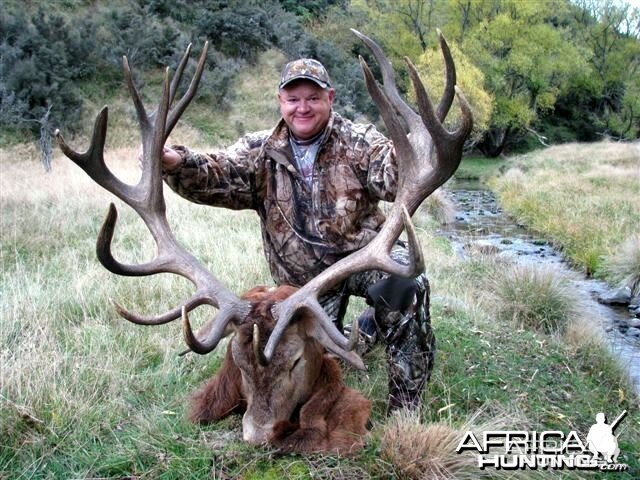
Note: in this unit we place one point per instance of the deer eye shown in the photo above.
(295, 363)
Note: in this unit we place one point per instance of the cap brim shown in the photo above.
(322, 84)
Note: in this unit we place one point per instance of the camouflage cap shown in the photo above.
(305, 68)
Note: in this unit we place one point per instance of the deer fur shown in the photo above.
(298, 403)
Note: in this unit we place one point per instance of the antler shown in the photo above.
(427, 157)
(147, 199)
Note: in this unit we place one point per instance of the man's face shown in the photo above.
(305, 107)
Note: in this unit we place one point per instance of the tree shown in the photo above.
(611, 30)
(526, 61)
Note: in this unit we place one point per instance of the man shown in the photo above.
(315, 180)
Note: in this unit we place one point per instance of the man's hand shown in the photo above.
(171, 159)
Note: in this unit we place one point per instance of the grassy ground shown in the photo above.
(84, 394)
(479, 168)
(585, 198)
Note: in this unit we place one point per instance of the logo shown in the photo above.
(551, 449)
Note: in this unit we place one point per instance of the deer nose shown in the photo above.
(254, 433)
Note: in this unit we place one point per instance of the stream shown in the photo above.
(482, 223)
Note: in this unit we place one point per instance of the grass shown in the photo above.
(585, 198)
(535, 298)
(478, 168)
(84, 394)
(624, 264)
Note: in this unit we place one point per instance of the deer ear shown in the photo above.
(314, 330)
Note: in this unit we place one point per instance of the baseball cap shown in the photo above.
(305, 68)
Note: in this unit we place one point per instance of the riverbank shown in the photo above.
(481, 225)
(585, 198)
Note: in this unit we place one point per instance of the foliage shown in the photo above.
(40, 51)
(309, 9)
(526, 61)
(38, 61)
(556, 70)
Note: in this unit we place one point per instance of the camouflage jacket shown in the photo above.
(305, 226)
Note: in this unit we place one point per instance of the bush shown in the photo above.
(240, 31)
(38, 58)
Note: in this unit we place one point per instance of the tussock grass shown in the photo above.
(427, 451)
(437, 206)
(584, 197)
(623, 264)
(536, 298)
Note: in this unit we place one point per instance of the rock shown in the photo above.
(621, 296)
(634, 322)
(506, 241)
(634, 302)
(634, 332)
(635, 311)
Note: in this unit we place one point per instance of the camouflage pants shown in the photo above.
(403, 325)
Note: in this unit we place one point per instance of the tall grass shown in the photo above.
(536, 298)
(584, 197)
(623, 265)
(85, 394)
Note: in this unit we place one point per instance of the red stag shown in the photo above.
(291, 391)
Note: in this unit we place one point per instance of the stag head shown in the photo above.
(274, 390)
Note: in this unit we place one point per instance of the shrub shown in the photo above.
(38, 59)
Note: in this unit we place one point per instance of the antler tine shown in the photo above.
(92, 160)
(179, 109)
(175, 82)
(387, 112)
(388, 80)
(215, 330)
(450, 78)
(448, 144)
(143, 118)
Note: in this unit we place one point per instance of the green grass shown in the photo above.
(86, 395)
(585, 198)
(478, 168)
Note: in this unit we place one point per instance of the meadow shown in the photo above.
(583, 197)
(85, 394)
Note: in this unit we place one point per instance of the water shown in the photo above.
(482, 225)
